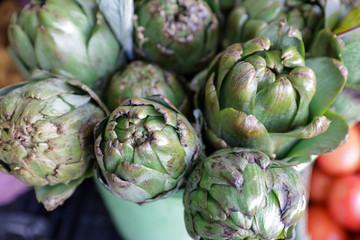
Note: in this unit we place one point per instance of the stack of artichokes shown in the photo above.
(268, 82)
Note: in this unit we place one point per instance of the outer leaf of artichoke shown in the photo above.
(46, 133)
(144, 149)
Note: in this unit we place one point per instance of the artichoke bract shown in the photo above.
(260, 94)
(180, 35)
(46, 135)
(237, 194)
(249, 17)
(141, 79)
(65, 37)
(144, 149)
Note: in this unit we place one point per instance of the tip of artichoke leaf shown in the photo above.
(88, 90)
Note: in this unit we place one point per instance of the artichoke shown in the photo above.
(64, 37)
(140, 79)
(46, 135)
(144, 149)
(261, 95)
(238, 194)
(179, 35)
(249, 17)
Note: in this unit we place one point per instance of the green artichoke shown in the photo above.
(249, 17)
(140, 79)
(179, 35)
(237, 194)
(46, 135)
(64, 37)
(261, 95)
(144, 149)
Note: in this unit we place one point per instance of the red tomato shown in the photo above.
(345, 159)
(319, 185)
(344, 201)
(322, 227)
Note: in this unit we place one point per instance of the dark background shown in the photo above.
(82, 217)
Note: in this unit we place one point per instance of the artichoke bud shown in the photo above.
(237, 194)
(264, 81)
(144, 149)
(65, 38)
(181, 36)
(248, 18)
(140, 79)
(46, 133)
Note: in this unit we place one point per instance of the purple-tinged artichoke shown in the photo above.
(46, 135)
(179, 35)
(238, 194)
(144, 149)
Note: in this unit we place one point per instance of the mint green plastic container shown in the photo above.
(159, 220)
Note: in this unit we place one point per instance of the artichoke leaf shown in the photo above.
(239, 88)
(148, 179)
(212, 105)
(229, 57)
(351, 58)
(331, 76)
(327, 44)
(332, 13)
(101, 34)
(10, 88)
(334, 136)
(263, 9)
(347, 105)
(250, 30)
(28, 20)
(350, 21)
(315, 128)
(54, 196)
(69, 18)
(119, 14)
(216, 142)
(282, 35)
(53, 51)
(21, 45)
(236, 20)
(259, 44)
(350, 36)
(275, 105)
(261, 223)
(212, 230)
(240, 129)
(303, 80)
(122, 189)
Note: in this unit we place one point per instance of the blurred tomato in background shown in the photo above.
(345, 159)
(334, 209)
(344, 201)
(322, 227)
(319, 185)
